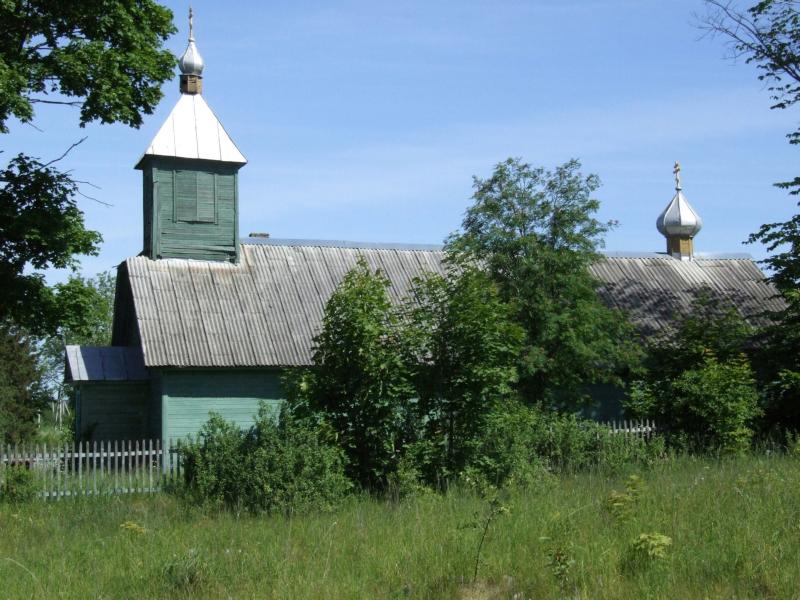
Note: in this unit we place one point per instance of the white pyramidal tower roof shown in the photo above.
(679, 218)
(192, 130)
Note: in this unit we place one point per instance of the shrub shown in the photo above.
(359, 384)
(507, 452)
(712, 406)
(521, 444)
(282, 466)
(646, 550)
(19, 484)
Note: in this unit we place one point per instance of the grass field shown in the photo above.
(734, 527)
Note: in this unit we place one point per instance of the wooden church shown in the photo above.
(206, 321)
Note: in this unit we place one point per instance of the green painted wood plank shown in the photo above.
(193, 212)
(190, 397)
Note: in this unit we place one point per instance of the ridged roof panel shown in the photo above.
(266, 310)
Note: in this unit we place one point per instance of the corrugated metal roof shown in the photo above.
(104, 363)
(657, 290)
(266, 310)
(260, 240)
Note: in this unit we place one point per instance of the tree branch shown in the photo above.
(67, 151)
(61, 102)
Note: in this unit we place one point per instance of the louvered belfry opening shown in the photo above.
(190, 176)
(190, 209)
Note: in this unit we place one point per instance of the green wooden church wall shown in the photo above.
(188, 397)
(190, 209)
(113, 411)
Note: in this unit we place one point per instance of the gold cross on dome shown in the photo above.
(191, 24)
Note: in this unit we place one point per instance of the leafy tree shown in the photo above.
(359, 384)
(21, 393)
(87, 321)
(463, 347)
(712, 325)
(699, 379)
(767, 35)
(713, 405)
(36, 364)
(104, 57)
(535, 232)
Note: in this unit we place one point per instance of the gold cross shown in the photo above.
(191, 25)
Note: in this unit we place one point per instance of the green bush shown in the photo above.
(359, 384)
(710, 407)
(645, 551)
(520, 444)
(19, 484)
(282, 466)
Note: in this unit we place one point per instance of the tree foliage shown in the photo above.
(535, 232)
(359, 383)
(105, 57)
(40, 227)
(463, 346)
(413, 379)
(699, 380)
(21, 394)
(86, 320)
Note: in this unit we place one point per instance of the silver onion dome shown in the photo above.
(191, 63)
(679, 218)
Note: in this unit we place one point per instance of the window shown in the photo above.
(195, 197)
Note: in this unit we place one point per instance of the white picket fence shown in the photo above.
(142, 466)
(641, 428)
(95, 468)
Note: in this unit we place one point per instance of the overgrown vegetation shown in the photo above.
(536, 233)
(767, 35)
(732, 525)
(22, 394)
(281, 464)
(699, 382)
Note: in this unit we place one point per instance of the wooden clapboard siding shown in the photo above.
(113, 410)
(188, 397)
(191, 209)
(156, 404)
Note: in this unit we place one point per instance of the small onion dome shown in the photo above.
(679, 218)
(191, 63)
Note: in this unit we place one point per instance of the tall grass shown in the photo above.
(734, 525)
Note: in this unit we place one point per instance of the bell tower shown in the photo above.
(190, 176)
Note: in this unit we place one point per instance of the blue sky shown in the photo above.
(367, 120)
